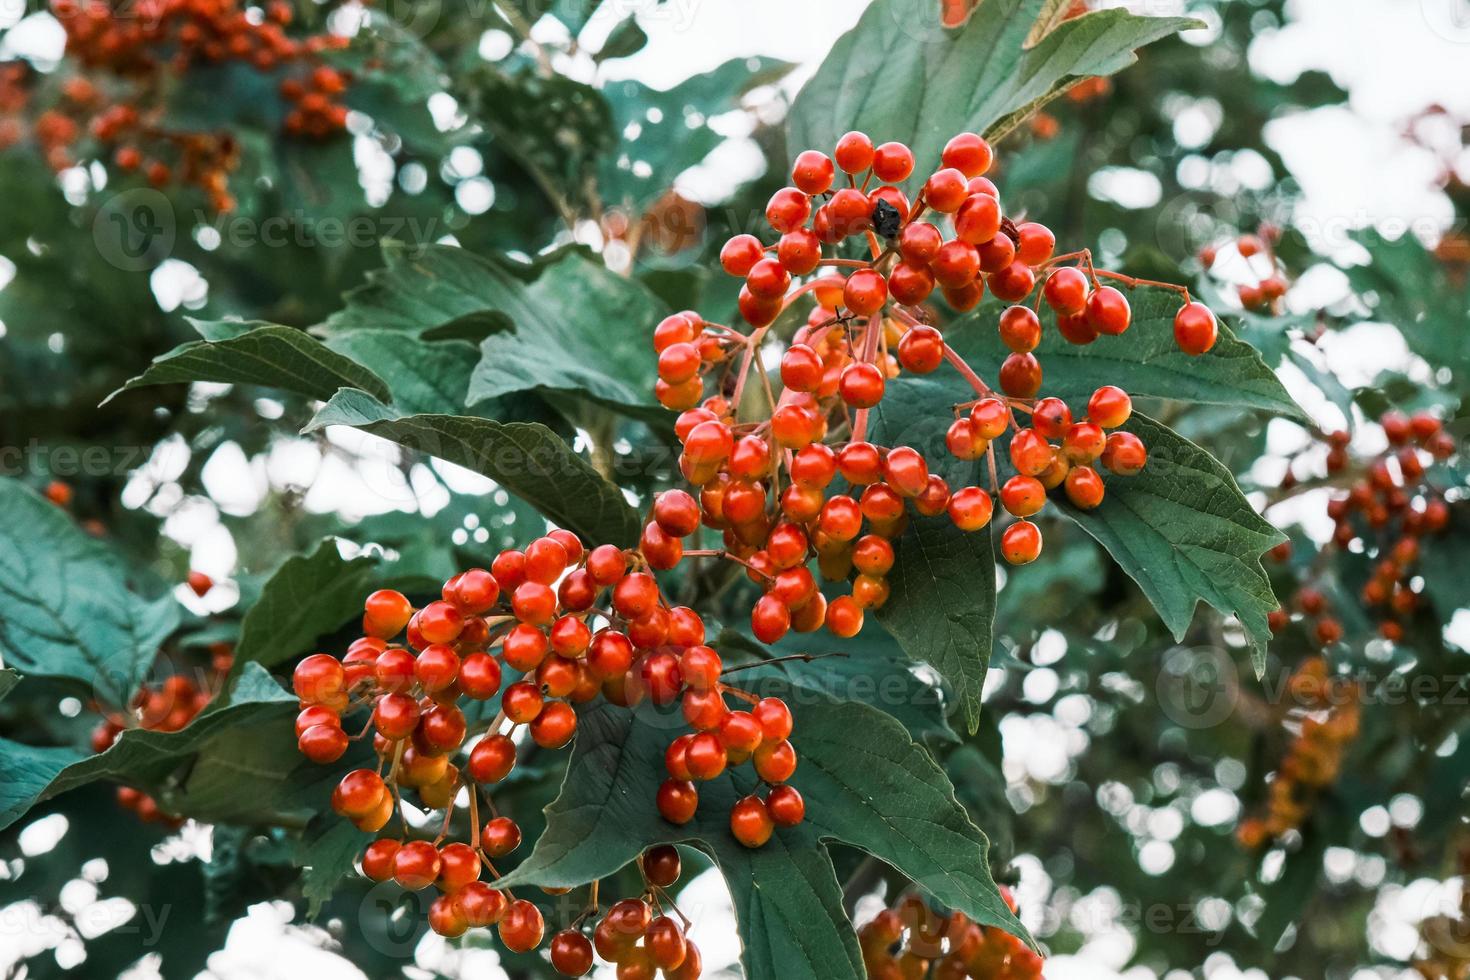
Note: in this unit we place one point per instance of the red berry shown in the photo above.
(1020, 375)
(1036, 243)
(1194, 329)
(956, 265)
(1109, 406)
(813, 172)
(1108, 311)
(571, 953)
(492, 759)
(661, 865)
(521, 927)
(1084, 487)
(919, 242)
(968, 153)
(892, 162)
(945, 190)
(500, 836)
(1020, 329)
(921, 349)
(970, 508)
(865, 292)
(861, 385)
(788, 209)
(770, 619)
(377, 860)
(677, 801)
(1023, 496)
(1013, 283)
(416, 865)
(319, 679)
(1125, 454)
(786, 806)
(978, 219)
(1020, 544)
(750, 822)
(1066, 291)
(385, 613)
(854, 152)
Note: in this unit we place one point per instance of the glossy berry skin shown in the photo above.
(1020, 375)
(677, 801)
(522, 927)
(970, 508)
(1125, 454)
(893, 162)
(738, 256)
(865, 292)
(1023, 496)
(1194, 329)
(854, 152)
(1066, 291)
(377, 860)
(571, 953)
(386, 613)
(945, 190)
(500, 836)
(664, 940)
(861, 385)
(1030, 453)
(661, 865)
(1109, 406)
(492, 759)
(1020, 544)
(1020, 329)
(786, 806)
(1084, 487)
(750, 822)
(968, 153)
(319, 679)
(813, 172)
(1108, 311)
(788, 209)
(416, 865)
(921, 350)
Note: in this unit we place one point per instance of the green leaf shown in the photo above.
(307, 597)
(869, 668)
(425, 378)
(941, 608)
(879, 792)
(1184, 532)
(65, 608)
(942, 605)
(662, 133)
(1145, 360)
(899, 75)
(526, 459)
(433, 288)
(328, 851)
(8, 680)
(588, 331)
(147, 759)
(263, 354)
(536, 335)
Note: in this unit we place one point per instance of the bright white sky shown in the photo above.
(1395, 57)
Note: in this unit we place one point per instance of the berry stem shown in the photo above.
(737, 693)
(805, 658)
(968, 373)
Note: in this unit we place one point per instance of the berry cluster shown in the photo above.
(765, 483)
(1323, 715)
(912, 942)
(163, 707)
(535, 613)
(636, 934)
(1386, 512)
(118, 100)
(1256, 251)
